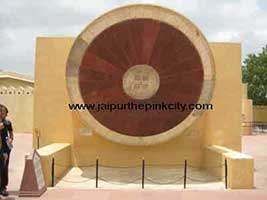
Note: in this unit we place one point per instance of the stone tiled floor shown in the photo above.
(256, 146)
(22, 146)
(253, 145)
(151, 194)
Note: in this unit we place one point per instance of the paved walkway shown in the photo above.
(256, 146)
(150, 194)
(22, 146)
(253, 145)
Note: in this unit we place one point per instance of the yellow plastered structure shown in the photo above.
(16, 93)
(239, 170)
(57, 124)
(60, 152)
(140, 11)
(247, 112)
(260, 113)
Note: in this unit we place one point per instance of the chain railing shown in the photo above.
(173, 174)
(55, 178)
(258, 127)
(176, 180)
(194, 177)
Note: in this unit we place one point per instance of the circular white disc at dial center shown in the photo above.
(141, 82)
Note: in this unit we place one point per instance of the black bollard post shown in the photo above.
(185, 173)
(96, 173)
(38, 140)
(53, 172)
(143, 173)
(225, 172)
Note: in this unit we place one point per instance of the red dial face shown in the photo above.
(143, 44)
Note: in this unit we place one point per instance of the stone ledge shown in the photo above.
(61, 152)
(240, 166)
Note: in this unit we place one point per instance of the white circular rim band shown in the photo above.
(135, 11)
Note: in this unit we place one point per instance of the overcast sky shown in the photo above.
(21, 21)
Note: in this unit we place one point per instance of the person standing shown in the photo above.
(6, 146)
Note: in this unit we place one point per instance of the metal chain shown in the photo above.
(136, 166)
(83, 166)
(61, 165)
(203, 181)
(167, 165)
(164, 183)
(71, 181)
(126, 167)
(209, 167)
(117, 183)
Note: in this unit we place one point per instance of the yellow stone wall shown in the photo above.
(52, 118)
(247, 116)
(244, 90)
(61, 154)
(247, 111)
(223, 123)
(260, 113)
(56, 123)
(20, 106)
(240, 167)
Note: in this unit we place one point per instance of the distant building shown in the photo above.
(16, 92)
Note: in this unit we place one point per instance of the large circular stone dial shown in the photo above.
(140, 54)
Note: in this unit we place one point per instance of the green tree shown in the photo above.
(254, 71)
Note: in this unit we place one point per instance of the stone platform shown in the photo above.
(156, 177)
(253, 145)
